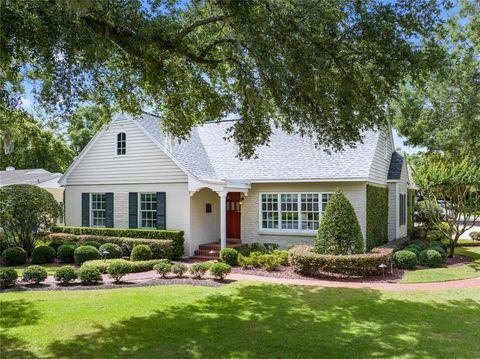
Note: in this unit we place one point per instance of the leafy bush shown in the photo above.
(163, 268)
(65, 274)
(305, 261)
(141, 252)
(110, 251)
(175, 251)
(441, 245)
(270, 262)
(118, 269)
(14, 256)
(427, 213)
(179, 269)
(229, 256)
(5, 243)
(65, 253)
(89, 274)
(377, 216)
(25, 209)
(85, 253)
(243, 261)
(220, 270)
(414, 249)
(339, 231)
(282, 256)
(418, 243)
(55, 244)
(35, 274)
(430, 258)
(440, 250)
(475, 236)
(198, 270)
(8, 277)
(436, 236)
(405, 259)
(160, 248)
(138, 266)
(263, 247)
(43, 254)
(92, 243)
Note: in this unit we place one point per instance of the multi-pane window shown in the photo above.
(99, 205)
(292, 211)
(148, 210)
(403, 209)
(121, 144)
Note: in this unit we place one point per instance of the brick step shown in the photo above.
(216, 246)
(207, 253)
(203, 258)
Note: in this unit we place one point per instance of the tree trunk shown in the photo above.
(451, 250)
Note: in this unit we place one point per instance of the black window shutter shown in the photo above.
(132, 210)
(85, 209)
(109, 210)
(161, 211)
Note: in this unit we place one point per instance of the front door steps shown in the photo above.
(211, 251)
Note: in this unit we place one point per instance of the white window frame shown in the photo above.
(91, 209)
(297, 231)
(402, 215)
(117, 142)
(139, 214)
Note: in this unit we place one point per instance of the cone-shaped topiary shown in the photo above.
(339, 231)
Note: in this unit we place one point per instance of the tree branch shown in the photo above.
(199, 23)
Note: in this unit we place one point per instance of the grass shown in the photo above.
(240, 320)
(470, 270)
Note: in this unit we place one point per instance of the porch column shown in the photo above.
(223, 219)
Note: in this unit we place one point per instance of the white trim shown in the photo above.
(297, 231)
(397, 227)
(139, 210)
(353, 179)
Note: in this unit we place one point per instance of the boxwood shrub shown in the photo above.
(89, 274)
(405, 259)
(85, 253)
(430, 258)
(163, 268)
(414, 249)
(440, 250)
(306, 262)
(179, 269)
(138, 266)
(117, 270)
(198, 270)
(43, 254)
(65, 253)
(229, 256)
(141, 252)
(220, 270)
(175, 236)
(92, 243)
(110, 251)
(14, 256)
(160, 248)
(8, 277)
(55, 244)
(65, 274)
(35, 274)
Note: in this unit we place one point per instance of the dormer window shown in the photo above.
(121, 144)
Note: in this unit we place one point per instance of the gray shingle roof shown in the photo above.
(207, 155)
(396, 164)
(29, 176)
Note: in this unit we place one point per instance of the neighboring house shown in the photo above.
(38, 177)
(131, 175)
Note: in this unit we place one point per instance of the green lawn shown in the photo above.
(241, 320)
(470, 270)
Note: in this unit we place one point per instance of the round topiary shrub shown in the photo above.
(179, 269)
(110, 251)
(141, 252)
(405, 259)
(92, 243)
(14, 256)
(220, 270)
(229, 256)
(430, 258)
(35, 274)
(413, 249)
(439, 250)
(43, 254)
(85, 253)
(163, 268)
(118, 269)
(56, 243)
(440, 244)
(339, 231)
(8, 277)
(418, 243)
(65, 253)
(65, 274)
(89, 274)
(198, 270)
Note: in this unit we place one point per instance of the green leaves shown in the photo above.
(323, 69)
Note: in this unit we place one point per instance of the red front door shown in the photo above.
(233, 214)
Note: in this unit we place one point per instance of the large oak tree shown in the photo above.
(321, 68)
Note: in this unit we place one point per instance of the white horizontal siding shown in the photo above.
(144, 162)
(380, 164)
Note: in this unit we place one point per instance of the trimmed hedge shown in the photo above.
(14, 256)
(160, 248)
(85, 253)
(43, 254)
(65, 253)
(377, 216)
(175, 236)
(430, 258)
(307, 262)
(411, 193)
(110, 251)
(139, 266)
(405, 259)
(141, 252)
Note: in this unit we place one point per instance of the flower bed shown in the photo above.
(309, 263)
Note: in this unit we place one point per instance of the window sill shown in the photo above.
(287, 233)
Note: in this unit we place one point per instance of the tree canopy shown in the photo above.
(320, 68)
(442, 111)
